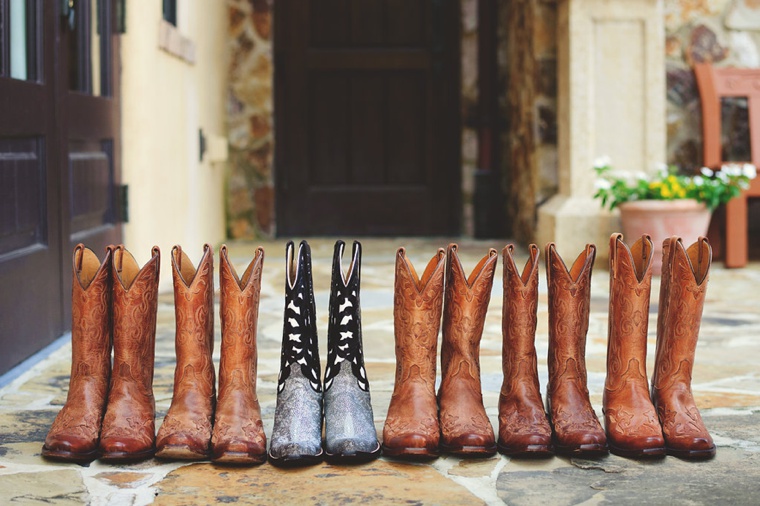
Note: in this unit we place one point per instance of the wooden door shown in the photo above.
(55, 187)
(367, 117)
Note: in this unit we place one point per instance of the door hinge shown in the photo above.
(122, 203)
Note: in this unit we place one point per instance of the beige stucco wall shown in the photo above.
(166, 99)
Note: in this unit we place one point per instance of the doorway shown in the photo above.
(367, 117)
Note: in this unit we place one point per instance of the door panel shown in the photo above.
(367, 117)
(31, 289)
(59, 161)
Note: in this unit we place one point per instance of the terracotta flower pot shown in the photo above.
(661, 219)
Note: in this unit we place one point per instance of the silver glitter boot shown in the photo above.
(349, 426)
(297, 433)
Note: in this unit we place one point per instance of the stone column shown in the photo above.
(611, 101)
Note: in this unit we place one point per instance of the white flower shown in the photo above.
(602, 161)
(663, 170)
(698, 180)
(640, 176)
(721, 174)
(749, 170)
(707, 172)
(602, 184)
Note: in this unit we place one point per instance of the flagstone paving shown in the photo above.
(726, 386)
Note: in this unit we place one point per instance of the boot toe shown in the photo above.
(182, 446)
(691, 447)
(239, 452)
(117, 449)
(411, 446)
(69, 448)
(470, 444)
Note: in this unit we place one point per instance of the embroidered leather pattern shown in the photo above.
(81, 416)
(678, 331)
(238, 414)
(131, 406)
(521, 412)
(191, 410)
(417, 320)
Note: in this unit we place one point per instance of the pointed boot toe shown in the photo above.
(411, 447)
(239, 453)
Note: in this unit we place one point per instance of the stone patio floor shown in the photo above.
(726, 386)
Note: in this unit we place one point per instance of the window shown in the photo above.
(170, 11)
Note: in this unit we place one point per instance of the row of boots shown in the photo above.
(638, 423)
(110, 410)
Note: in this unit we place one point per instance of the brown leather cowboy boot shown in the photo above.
(523, 427)
(575, 425)
(238, 436)
(129, 431)
(411, 428)
(465, 428)
(185, 433)
(75, 431)
(685, 273)
(630, 419)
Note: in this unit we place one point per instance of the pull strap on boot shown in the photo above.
(411, 428)
(349, 426)
(185, 433)
(129, 424)
(75, 432)
(238, 436)
(297, 432)
(575, 425)
(630, 419)
(465, 427)
(685, 273)
(523, 427)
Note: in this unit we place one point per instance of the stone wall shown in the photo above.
(250, 185)
(528, 107)
(724, 32)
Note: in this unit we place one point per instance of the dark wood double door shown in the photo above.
(59, 159)
(367, 117)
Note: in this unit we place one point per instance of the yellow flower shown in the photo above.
(666, 192)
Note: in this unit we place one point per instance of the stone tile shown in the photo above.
(52, 487)
(380, 482)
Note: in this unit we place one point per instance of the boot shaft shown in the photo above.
(519, 318)
(299, 341)
(239, 308)
(194, 312)
(630, 287)
(344, 331)
(685, 274)
(464, 311)
(569, 304)
(91, 315)
(135, 303)
(417, 308)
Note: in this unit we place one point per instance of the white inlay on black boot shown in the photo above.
(349, 427)
(297, 432)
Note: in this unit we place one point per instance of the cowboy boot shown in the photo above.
(238, 436)
(576, 429)
(523, 427)
(349, 424)
(186, 431)
(129, 431)
(685, 273)
(297, 432)
(465, 427)
(630, 419)
(411, 428)
(75, 431)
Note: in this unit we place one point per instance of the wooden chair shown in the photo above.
(714, 84)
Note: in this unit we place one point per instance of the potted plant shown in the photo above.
(668, 202)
